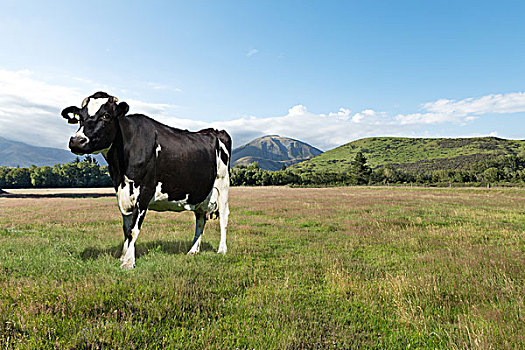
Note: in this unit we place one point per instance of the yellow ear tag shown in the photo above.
(73, 121)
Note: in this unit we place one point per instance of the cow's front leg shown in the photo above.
(137, 217)
(126, 226)
(200, 221)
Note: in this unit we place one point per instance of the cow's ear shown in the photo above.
(122, 109)
(71, 114)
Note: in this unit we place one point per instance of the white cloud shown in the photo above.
(443, 110)
(324, 131)
(30, 109)
(342, 113)
(252, 52)
(498, 103)
(30, 112)
(335, 128)
(153, 109)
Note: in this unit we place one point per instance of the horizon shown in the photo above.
(294, 139)
(322, 73)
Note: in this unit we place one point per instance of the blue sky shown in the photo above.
(326, 72)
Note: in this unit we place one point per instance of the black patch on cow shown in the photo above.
(223, 155)
(100, 94)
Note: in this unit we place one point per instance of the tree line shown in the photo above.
(79, 173)
(509, 169)
(504, 169)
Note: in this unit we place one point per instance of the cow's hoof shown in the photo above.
(222, 250)
(127, 265)
(196, 248)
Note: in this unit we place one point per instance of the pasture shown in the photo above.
(349, 267)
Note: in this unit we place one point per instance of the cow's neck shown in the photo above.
(114, 158)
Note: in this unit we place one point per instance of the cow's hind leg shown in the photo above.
(200, 221)
(137, 217)
(224, 211)
(223, 222)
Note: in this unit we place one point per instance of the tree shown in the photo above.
(43, 176)
(491, 175)
(3, 172)
(18, 178)
(359, 172)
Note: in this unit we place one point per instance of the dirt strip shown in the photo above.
(58, 192)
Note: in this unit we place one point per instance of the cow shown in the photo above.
(154, 166)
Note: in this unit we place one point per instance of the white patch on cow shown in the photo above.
(126, 199)
(213, 199)
(129, 258)
(94, 105)
(80, 134)
(158, 149)
(196, 247)
(135, 230)
(159, 196)
(160, 202)
(222, 184)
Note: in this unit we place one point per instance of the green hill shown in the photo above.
(414, 153)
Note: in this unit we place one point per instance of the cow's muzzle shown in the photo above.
(77, 144)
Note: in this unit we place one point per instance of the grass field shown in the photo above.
(306, 268)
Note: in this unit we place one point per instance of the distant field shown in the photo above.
(306, 268)
(39, 192)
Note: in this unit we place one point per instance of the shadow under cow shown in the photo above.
(169, 247)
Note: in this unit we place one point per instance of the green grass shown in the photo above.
(306, 268)
(438, 153)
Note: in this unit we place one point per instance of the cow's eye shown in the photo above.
(106, 116)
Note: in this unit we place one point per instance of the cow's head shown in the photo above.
(98, 119)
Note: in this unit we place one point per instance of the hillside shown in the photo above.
(272, 152)
(14, 153)
(414, 153)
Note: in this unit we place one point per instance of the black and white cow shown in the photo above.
(154, 166)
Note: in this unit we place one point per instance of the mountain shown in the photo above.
(272, 152)
(414, 153)
(14, 153)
